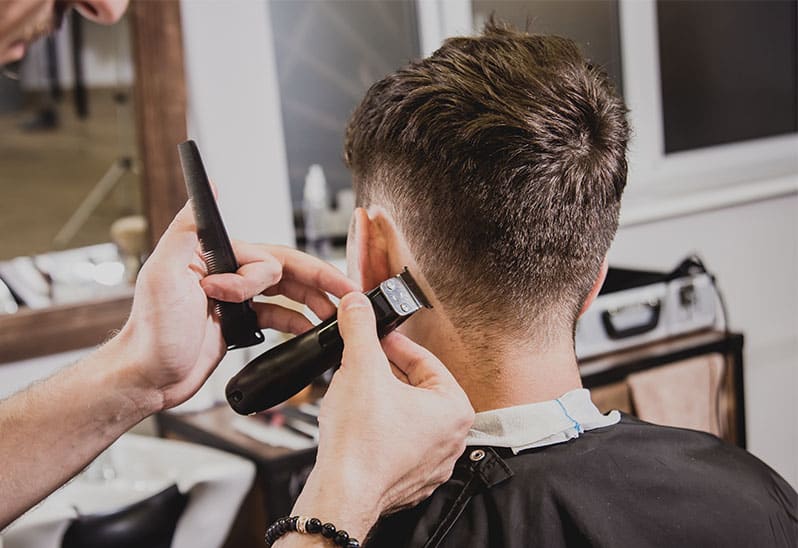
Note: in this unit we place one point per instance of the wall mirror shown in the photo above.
(68, 168)
(88, 179)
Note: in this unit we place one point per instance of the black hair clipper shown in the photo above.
(283, 371)
(239, 322)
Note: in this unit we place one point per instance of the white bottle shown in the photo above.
(315, 211)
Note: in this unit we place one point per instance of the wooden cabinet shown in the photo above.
(612, 372)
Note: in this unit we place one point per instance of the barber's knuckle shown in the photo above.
(466, 415)
(453, 451)
(274, 268)
(442, 476)
(461, 421)
(467, 423)
(318, 278)
(297, 325)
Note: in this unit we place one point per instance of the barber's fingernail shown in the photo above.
(353, 301)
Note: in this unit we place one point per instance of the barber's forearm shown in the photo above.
(52, 430)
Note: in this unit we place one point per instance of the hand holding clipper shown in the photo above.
(284, 370)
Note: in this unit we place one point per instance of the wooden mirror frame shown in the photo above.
(160, 113)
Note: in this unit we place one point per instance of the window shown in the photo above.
(728, 71)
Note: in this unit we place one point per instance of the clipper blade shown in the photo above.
(414, 288)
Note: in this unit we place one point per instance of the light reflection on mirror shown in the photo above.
(327, 55)
(71, 228)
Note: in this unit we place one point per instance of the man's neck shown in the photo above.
(516, 377)
(497, 375)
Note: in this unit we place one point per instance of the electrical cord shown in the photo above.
(694, 264)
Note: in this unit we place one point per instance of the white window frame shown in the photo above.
(715, 176)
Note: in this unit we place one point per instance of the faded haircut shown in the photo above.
(502, 159)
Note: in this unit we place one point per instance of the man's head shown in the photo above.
(22, 21)
(500, 159)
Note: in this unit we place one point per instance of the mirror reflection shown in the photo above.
(71, 226)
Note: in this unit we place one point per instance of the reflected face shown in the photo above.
(23, 21)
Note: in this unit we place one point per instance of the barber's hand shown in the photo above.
(174, 339)
(384, 443)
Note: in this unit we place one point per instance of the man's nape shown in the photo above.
(498, 365)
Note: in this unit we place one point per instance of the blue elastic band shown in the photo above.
(579, 429)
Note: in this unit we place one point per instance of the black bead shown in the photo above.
(353, 543)
(313, 525)
(341, 538)
(328, 530)
(292, 523)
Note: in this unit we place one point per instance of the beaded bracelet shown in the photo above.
(309, 526)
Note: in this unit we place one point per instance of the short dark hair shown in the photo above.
(502, 158)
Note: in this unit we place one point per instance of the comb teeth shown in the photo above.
(210, 262)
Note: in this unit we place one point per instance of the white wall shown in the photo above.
(234, 114)
(753, 250)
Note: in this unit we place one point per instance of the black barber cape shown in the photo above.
(632, 485)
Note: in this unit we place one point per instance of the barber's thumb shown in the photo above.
(358, 329)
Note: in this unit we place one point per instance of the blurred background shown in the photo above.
(89, 179)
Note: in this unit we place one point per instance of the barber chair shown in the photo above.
(150, 522)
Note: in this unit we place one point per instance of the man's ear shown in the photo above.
(594, 291)
(367, 260)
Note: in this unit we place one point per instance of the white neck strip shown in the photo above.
(539, 424)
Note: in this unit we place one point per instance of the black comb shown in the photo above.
(239, 322)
